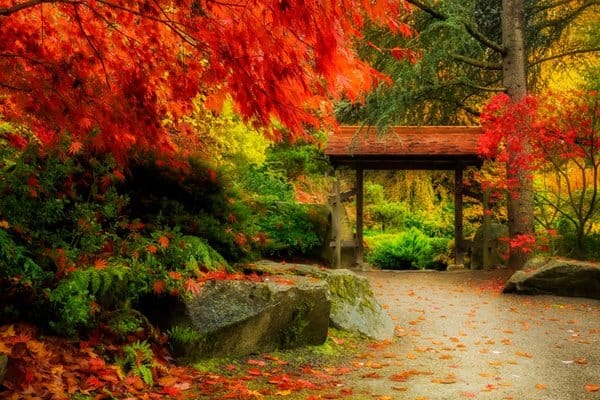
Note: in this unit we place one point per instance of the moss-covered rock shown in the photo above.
(354, 307)
(236, 318)
(559, 277)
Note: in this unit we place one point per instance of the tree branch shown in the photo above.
(471, 29)
(477, 63)
(565, 54)
(423, 7)
(467, 108)
(568, 17)
(11, 87)
(544, 7)
(480, 87)
(21, 6)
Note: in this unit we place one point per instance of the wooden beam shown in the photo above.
(359, 216)
(458, 216)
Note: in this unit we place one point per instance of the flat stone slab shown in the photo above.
(559, 277)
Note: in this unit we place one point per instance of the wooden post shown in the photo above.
(359, 216)
(458, 215)
(336, 225)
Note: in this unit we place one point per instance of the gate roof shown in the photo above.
(405, 147)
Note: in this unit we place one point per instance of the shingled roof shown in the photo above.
(404, 147)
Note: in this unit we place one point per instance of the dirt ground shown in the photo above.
(458, 338)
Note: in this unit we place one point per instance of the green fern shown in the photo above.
(138, 360)
(183, 334)
(72, 297)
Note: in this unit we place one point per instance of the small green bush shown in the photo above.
(388, 214)
(411, 249)
(297, 159)
(291, 229)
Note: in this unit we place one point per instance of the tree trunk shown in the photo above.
(514, 67)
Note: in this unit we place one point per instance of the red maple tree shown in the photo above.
(560, 133)
(108, 72)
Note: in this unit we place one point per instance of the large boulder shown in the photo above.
(559, 277)
(353, 305)
(236, 318)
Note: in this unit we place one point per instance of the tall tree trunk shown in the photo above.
(514, 66)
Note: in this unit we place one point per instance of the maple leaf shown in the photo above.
(158, 287)
(171, 391)
(100, 263)
(592, 388)
(260, 363)
(93, 382)
(174, 275)
(398, 53)
(75, 147)
(119, 175)
(192, 286)
(163, 241)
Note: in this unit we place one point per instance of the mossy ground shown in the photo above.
(309, 368)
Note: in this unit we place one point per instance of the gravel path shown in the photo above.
(459, 338)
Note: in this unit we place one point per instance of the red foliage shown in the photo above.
(527, 135)
(110, 72)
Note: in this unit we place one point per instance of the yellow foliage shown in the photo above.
(225, 138)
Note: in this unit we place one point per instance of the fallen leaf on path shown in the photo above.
(373, 375)
(523, 354)
(449, 379)
(541, 386)
(592, 388)
(260, 363)
(167, 381)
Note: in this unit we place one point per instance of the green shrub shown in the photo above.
(72, 250)
(297, 159)
(388, 214)
(408, 250)
(199, 200)
(292, 229)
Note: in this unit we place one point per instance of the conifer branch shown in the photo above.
(471, 29)
(477, 63)
(565, 54)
